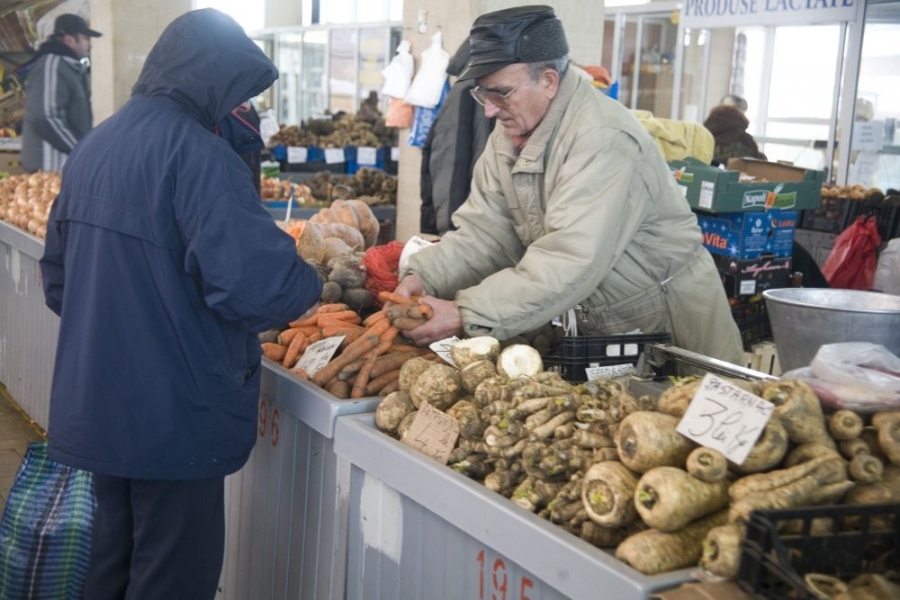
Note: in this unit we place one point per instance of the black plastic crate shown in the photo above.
(832, 216)
(575, 354)
(773, 564)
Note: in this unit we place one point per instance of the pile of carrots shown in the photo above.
(369, 358)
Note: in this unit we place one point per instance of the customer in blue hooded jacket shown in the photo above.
(163, 267)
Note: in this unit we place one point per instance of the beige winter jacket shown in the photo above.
(588, 214)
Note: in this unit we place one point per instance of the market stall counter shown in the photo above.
(418, 529)
(28, 329)
(287, 510)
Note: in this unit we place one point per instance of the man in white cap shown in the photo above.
(572, 204)
(57, 96)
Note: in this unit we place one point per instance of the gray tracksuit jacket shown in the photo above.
(57, 107)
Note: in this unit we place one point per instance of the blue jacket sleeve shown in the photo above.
(52, 266)
(249, 268)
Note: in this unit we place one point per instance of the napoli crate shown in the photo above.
(575, 354)
(749, 235)
(419, 529)
(753, 276)
(711, 189)
(849, 541)
(287, 509)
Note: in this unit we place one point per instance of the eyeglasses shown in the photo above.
(482, 96)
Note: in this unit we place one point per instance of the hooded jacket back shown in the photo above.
(162, 265)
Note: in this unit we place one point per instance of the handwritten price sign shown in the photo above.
(442, 348)
(724, 417)
(318, 354)
(432, 433)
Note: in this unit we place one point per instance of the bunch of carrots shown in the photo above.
(369, 358)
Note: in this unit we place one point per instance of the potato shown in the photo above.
(439, 386)
(471, 350)
(411, 370)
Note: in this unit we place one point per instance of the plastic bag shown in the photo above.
(398, 74)
(852, 262)
(855, 375)
(427, 87)
(45, 533)
(424, 118)
(887, 273)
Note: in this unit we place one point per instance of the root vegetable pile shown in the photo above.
(612, 469)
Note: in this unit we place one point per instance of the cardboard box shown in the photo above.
(711, 189)
(719, 590)
(751, 277)
(9, 163)
(749, 235)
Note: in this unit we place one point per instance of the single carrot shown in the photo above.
(344, 315)
(308, 321)
(362, 378)
(301, 373)
(339, 388)
(351, 353)
(294, 350)
(389, 335)
(288, 335)
(351, 336)
(374, 318)
(392, 297)
(402, 347)
(332, 308)
(426, 311)
(390, 388)
(389, 362)
(380, 327)
(406, 323)
(333, 330)
(376, 384)
(274, 351)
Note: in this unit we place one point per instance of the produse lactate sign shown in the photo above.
(733, 13)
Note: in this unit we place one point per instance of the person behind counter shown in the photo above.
(571, 204)
(57, 95)
(728, 123)
(163, 265)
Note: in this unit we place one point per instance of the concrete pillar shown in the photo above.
(583, 22)
(129, 28)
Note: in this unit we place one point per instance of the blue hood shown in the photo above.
(209, 84)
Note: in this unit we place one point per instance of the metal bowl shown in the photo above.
(803, 319)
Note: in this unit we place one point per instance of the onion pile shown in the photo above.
(25, 200)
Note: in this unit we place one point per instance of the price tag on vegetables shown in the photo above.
(622, 371)
(726, 418)
(366, 156)
(432, 433)
(319, 354)
(442, 348)
(296, 154)
(334, 155)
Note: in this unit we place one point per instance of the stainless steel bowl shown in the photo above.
(803, 319)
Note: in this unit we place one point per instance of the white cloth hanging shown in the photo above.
(426, 87)
(398, 74)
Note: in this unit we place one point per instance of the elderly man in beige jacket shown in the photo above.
(571, 204)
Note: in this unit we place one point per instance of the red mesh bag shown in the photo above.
(383, 262)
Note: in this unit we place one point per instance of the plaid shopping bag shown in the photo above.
(45, 533)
